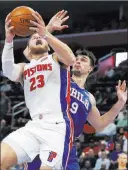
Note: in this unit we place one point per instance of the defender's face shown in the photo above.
(82, 65)
(37, 44)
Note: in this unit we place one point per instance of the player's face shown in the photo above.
(37, 44)
(82, 65)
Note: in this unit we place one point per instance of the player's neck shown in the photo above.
(38, 56)
(80, 80)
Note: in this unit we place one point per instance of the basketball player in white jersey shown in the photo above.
(47, 95)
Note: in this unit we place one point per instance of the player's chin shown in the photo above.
(76, 72)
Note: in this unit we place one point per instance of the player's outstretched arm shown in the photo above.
(100, 122)
(10, 69)
(65, 54)
(55, 24)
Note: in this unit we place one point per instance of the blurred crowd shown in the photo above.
(101, 153)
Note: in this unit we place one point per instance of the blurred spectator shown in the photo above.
(98, 97)
(5, 130)
(91, 157)
(121, 132)
(18, 167)
(90, 146)
(124, 121)
(5, 105)
(103, 148)
(122, 138)
(103, 160)
(112, 97)
(109, 73)
(78, 147)
(122, 161)
(103, 167)
(122, 114)
(5, 87)
(96, 147)
(87, 165)
(125, 146)
(20, 122)
(114, 155)
(110, 145)
(82, 159)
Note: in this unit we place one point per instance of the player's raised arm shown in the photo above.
(100, 122)
(65, 54)
(10, 69)
(56, 23)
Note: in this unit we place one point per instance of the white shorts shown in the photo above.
(50, 140)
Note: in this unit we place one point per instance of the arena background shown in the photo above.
(102, 28)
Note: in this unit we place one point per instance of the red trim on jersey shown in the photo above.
(69, 116)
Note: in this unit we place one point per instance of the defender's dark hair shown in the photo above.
(88, 54)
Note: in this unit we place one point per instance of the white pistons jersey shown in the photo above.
(47, 88)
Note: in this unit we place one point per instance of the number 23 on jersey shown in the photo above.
(37, 82)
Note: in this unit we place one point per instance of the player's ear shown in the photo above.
(91, 69)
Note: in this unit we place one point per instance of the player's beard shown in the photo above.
(76, 73)
(39, 50)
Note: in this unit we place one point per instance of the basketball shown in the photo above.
(20, 19)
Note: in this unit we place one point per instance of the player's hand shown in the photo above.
(57, 20)
(9, 30)
(39, 25)
(122, 91)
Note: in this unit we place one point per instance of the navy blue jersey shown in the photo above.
(80, 107)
